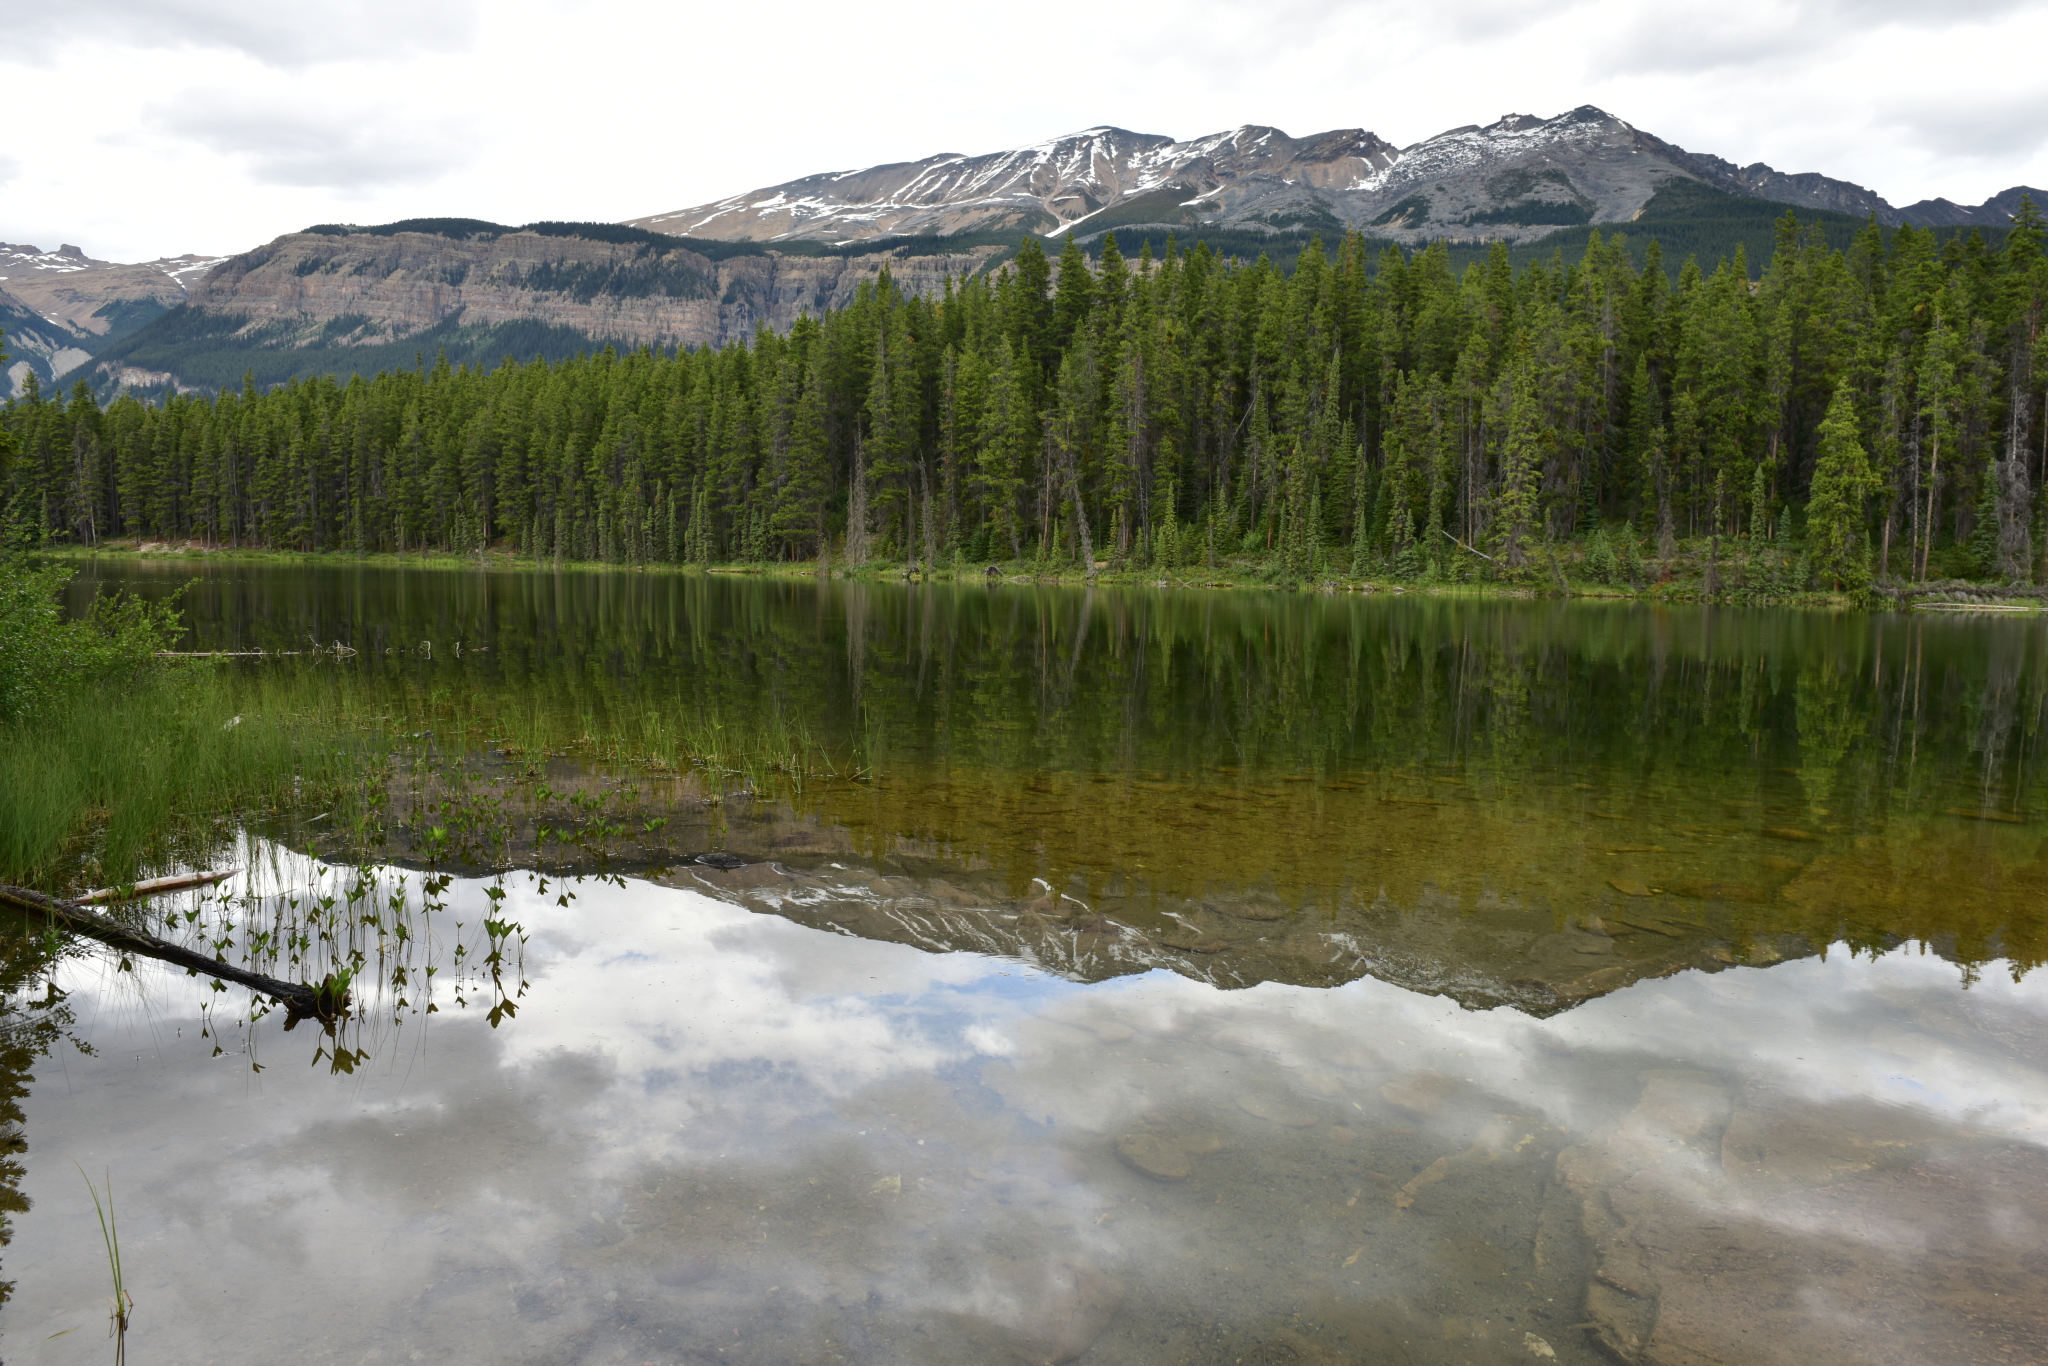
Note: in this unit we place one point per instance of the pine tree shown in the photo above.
(1837, 545)
(1521, 459)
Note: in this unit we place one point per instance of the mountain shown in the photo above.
(1996, 211)
(1045, 188)
(59, 308)
(336, 298)
(1514, 180)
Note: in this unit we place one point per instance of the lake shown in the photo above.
(773, 971)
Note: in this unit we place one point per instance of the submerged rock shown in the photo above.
(1024, 1312)
(1154, 1156)
(1732, 1227)
(1424, 1093)
(722, 859)
(1275, 1109)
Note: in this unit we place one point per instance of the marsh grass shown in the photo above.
(110, 1234)
(763, 753)
(771, 753)
(107, 784)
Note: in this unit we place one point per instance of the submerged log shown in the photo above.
(324, 1003)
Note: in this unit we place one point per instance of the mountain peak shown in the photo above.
(1519, 177)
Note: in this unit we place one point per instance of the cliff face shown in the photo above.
(340, 300)
(357, 289)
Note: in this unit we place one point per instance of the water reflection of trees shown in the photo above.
(34, 1016)
(1858, 726)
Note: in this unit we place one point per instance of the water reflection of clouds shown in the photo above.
(713, 1000)
(696, 1102)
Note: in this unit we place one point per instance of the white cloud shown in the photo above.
(679, 1066)
(285, 35)
(1992, 126)
(343, 149)
(269, 117)
(1701, 37)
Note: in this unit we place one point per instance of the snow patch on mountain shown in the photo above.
(1518, 177)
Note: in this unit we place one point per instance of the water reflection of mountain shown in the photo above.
(1459, 780)
(1416, 879)
(1437, 920)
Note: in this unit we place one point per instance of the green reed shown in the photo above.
(110, 1234)
(105, 784)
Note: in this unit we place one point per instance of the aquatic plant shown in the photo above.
(110, 1234)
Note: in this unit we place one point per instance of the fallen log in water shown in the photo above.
(155, 886)
(324, 1003)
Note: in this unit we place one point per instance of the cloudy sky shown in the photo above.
(153, 127)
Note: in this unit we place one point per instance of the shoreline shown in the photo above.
(1953, 596)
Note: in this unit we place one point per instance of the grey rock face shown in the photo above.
(1517, 178)
(1520, 176)
(390, 287)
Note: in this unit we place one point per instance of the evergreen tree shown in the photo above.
(1368, 405)
(1842, 483)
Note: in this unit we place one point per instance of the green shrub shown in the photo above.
(114, 760)
(45, 659)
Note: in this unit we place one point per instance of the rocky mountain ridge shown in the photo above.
(634, 293)
(58, 307)
(336, 298)
(1515, 179)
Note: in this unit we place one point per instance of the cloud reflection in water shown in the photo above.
(717, 1135)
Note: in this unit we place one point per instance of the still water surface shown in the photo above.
(1132, 977)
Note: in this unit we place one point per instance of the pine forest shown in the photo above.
(1874, 413)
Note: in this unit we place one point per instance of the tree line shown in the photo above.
(1879, 406)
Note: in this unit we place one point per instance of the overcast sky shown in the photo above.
(145, 128)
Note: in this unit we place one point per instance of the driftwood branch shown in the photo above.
(155, 886)
(1462, 546)
(324, 1003)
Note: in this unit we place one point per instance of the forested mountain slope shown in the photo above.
(1881, 403)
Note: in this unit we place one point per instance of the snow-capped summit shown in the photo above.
(1521, 176)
